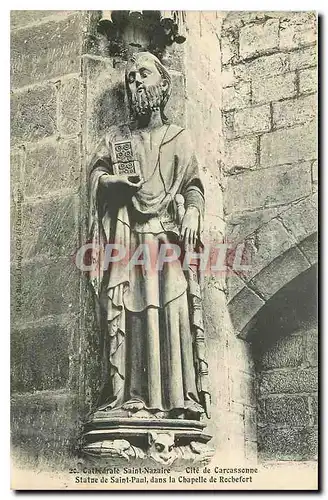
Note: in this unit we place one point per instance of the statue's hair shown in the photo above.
(164, 74)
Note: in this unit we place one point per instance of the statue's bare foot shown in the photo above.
(143, 414)
(133, 406)
(162, 414)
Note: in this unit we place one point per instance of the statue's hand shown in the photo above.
(189, 227)
(109, 180)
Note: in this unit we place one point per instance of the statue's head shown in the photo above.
(148, 85)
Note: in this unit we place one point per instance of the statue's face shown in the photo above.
(142, 75)
(146, 86)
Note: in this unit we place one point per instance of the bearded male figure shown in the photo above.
(150, 319)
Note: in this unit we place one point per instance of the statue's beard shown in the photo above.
(149, 99)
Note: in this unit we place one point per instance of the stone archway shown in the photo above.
(282, 248)
(284, 256)
(284, 344)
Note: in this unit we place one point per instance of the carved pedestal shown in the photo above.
(155, 439)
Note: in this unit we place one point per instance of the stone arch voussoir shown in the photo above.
(285, 247)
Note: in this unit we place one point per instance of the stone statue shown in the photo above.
(146, 199)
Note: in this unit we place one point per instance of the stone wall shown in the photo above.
(284, 342)
(269, 107)
(270, 128)
(288, 398)
(46, 49)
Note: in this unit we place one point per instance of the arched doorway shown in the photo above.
(285, 351)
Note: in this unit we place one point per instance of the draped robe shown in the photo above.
(144, 314)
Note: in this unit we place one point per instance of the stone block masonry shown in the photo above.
(269, 119)
(46, 49)
(275, 88)
(287, 398)
(255, 39)
(46, 126)
(294, 111)
(33, 114)
(287, 146)
(269, 109)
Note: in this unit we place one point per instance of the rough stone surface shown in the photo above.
(203, 117)
(286, 352)
(69, 100)
(314, 409)
(16, 168)
(236, 97)
(251, 451)
(302, 218)
(236, 421)
(243, 389)
(311, 349)
(309, 247)
(175, 107)
(289, 146)
(240, 154)
(228, 78)
(313, 443)
(234, 285)
(278, 220)
(241, 359)
(288, 397)
(44, 425)
(252, 120)
(294, 111)
(258, 38)
(239, 226)
(269, 187)
(51, 167)
(280, 272)
(265, 66)
(33, 114)
(273, 89)
(50, 228)
(105, 99)
(243, 307)
(46, 51)
(213, 229)
(288, 381)
(48, 289)
(297, 30)
(308, 80)
(269, 241)
(205, 101)
(315, 174)
(228, 50)
(39, 358)
(291, 411)
(21, 18)
(303, 58)
(286, 444)
(237, 19)
(250, 421)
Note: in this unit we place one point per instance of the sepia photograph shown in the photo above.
(164, 250)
